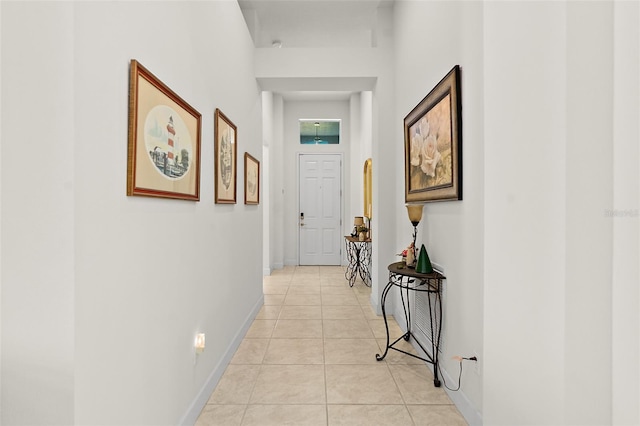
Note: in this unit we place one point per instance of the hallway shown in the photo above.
(309, 359)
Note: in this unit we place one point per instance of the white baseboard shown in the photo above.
(266, 272)
(193, 412)
(277, 266)
(291, 262)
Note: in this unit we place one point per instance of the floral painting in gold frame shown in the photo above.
(164, 140)
(433, 144)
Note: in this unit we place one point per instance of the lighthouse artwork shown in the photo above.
(163, 152)
(168, 142)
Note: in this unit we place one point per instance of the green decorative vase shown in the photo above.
(424, 264)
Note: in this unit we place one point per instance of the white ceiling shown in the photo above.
(313, 24)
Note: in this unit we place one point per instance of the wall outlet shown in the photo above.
(476, 367)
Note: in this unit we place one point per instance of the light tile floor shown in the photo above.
(309, 359)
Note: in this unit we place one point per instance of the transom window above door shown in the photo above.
(319, 132)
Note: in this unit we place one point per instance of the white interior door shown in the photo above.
(320, 207)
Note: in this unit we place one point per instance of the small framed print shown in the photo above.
(226, 148)
(251, 180)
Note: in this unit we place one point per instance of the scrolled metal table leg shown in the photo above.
(352, 269)
(383, 300)
(365, 274)
(405, 306)
(436, 327)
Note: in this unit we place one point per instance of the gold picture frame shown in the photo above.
(164, 140)
(433, 144)
(226, 163)
(251, 179)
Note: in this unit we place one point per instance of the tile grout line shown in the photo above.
(262, 364)
(324, 363)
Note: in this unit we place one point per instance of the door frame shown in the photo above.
(299, 154)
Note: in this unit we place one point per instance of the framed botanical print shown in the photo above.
(226, 148)
(251, 180)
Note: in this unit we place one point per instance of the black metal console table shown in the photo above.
(408, 279)
(359, 257)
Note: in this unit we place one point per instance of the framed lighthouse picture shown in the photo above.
(164, 140)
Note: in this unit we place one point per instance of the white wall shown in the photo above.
(366, 126)
(383, 152)
(265, 183)
(38, 241)
(272, 110)
(354, 203)
(524, 265)
(277, 183)
(361, 147)
(451, 231)
(100, 309)
(537, 275)
(589, 104)
(550, 283)
(626, 195)
(0, 219)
